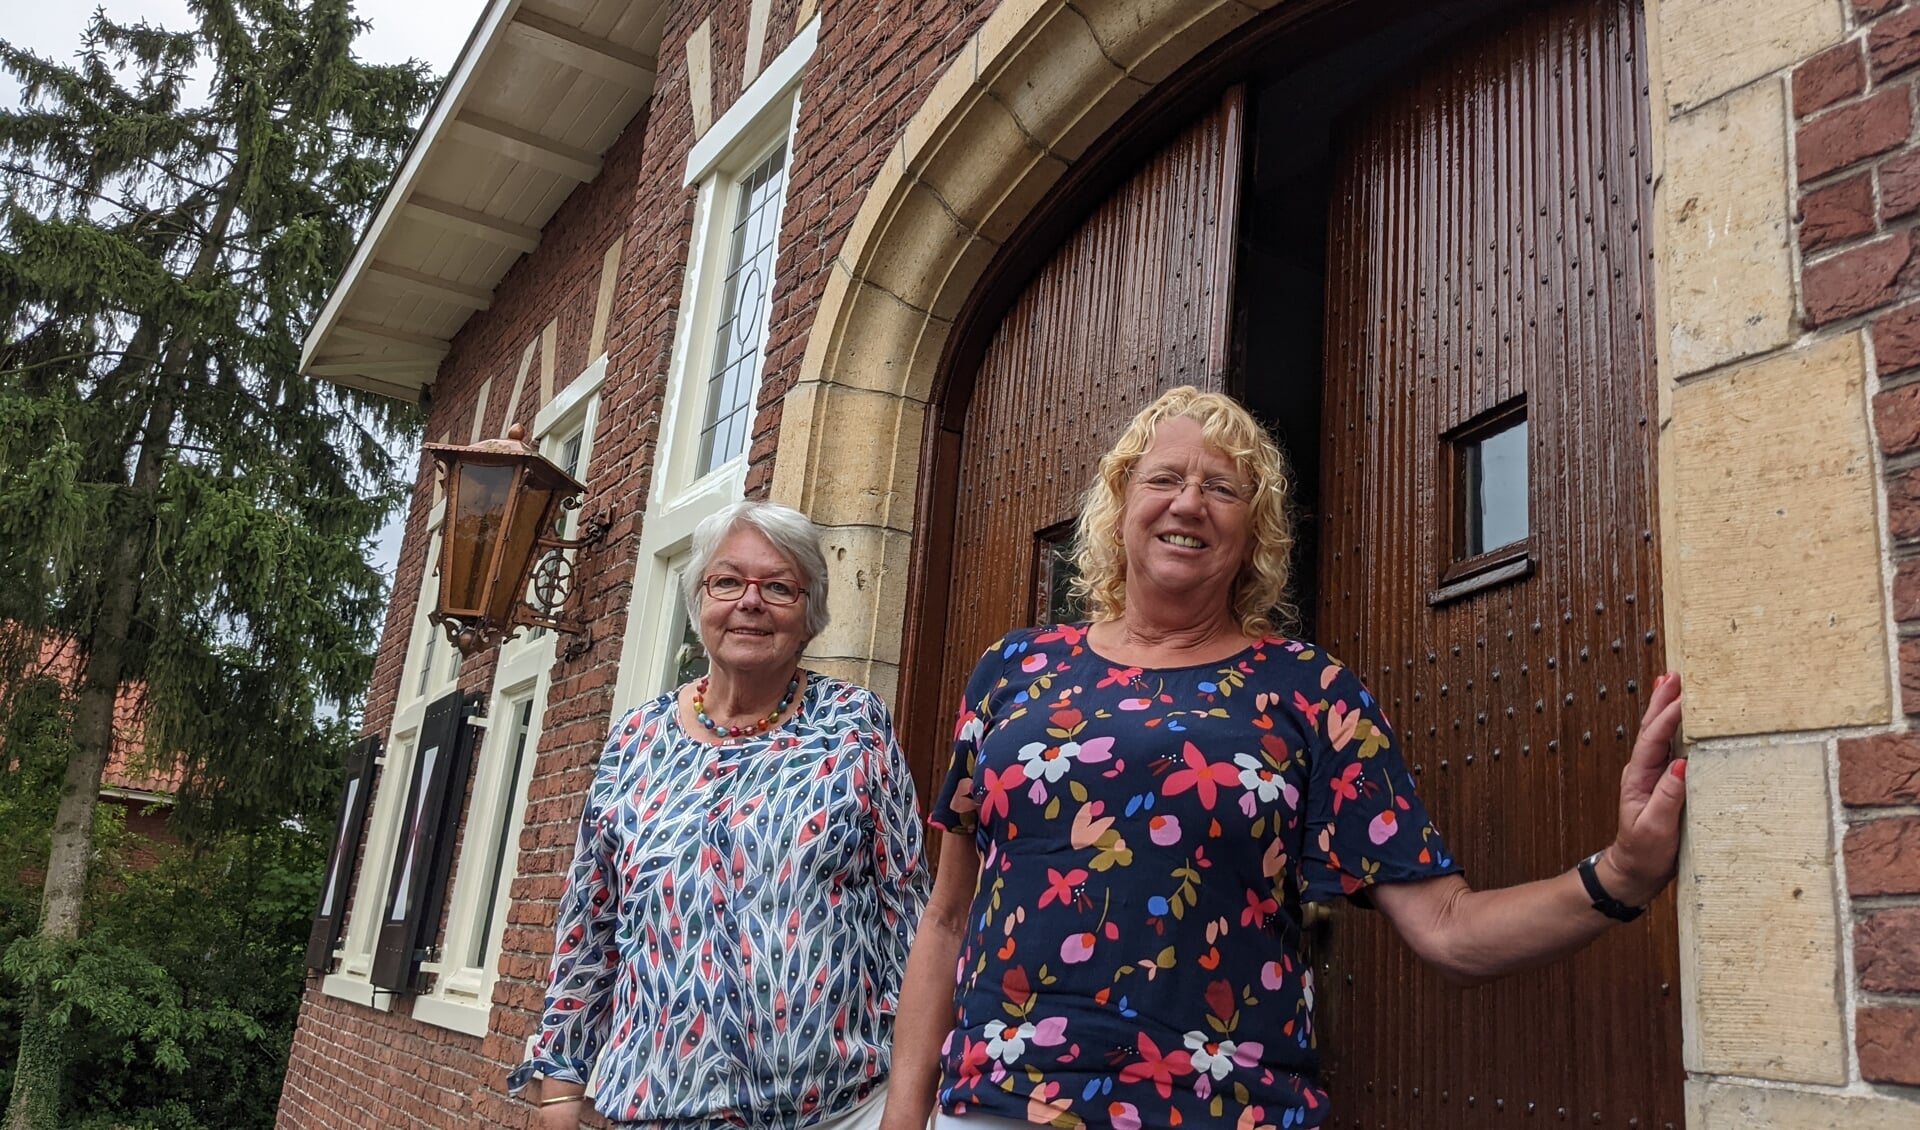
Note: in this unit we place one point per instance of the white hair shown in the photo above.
(791, 532)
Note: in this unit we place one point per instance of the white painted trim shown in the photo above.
(756, 105)
(481, 43)
(344, 987)
(442, 1013)
(570, 399)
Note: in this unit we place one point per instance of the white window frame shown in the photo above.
(765, 116)
(352, 980)
(461, 997)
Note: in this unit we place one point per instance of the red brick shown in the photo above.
(1860, 279)
(1894, 44)
(1906, 591)
(1864, 10)
(1896, 416)
(1910, 675)
(1888, 1039)
(1883, 857)
(1834, 75)
(1884, 769)
(1837, 213)
(1854, 133)
(1886, 950)
(1900, 185)
(1896, 340)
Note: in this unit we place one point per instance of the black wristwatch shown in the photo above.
(1602, 901)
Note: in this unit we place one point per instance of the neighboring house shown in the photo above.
(144, 793)
(1589, 326)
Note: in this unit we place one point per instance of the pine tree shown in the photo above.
(174, 498)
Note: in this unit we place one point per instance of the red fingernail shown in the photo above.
(1679, 769)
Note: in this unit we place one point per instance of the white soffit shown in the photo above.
(541, 90)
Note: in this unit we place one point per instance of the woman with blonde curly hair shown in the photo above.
(1139, 805)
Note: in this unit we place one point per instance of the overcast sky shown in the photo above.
(429, 30)
(432, 31)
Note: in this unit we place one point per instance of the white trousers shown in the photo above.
(866, 1116)
(944, 1121)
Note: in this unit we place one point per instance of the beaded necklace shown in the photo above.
(751, 728)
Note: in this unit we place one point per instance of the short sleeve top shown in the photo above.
(737, 919)
(1132, 953)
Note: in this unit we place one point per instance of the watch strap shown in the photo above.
(1604, 902)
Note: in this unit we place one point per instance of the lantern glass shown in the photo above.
(479, 499)
(529, 521)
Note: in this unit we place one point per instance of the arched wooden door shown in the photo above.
(1135, 301)
(1488, 562)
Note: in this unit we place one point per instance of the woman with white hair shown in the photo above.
(748, 878)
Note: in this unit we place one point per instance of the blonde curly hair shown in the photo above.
(1099, 556)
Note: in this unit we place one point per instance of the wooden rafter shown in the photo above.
(510, 140)
(466, 221)
(433, 286)
(574, 48)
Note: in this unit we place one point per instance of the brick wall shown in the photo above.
(352, 1066)
(1858, 169)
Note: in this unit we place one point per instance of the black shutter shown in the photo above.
(362, 765)
(410, 916)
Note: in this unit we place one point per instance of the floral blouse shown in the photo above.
(1146, 837)
(737, 919)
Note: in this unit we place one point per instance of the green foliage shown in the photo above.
(177, 1006)
(189, 516)
(159, 263)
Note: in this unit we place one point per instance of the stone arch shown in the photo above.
(1026, 96)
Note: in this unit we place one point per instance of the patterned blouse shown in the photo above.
(737, 919)
(1146, 837)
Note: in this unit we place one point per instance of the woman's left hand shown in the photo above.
(1645, 853)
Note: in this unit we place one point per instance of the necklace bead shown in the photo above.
(751, 728)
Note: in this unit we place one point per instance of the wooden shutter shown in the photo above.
(410, 916)
(1137, 300)
(342, 865)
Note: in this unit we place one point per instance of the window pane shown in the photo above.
(689, 659)
(743, 314)
(507, 786)
(1062, 608)
(1496, 489)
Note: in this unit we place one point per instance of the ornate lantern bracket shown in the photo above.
(503, 564)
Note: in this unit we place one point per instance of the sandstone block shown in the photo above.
(1778, 554)
(1729, 1106)
(1711, 47)
(1728, 265)
(1759, 952)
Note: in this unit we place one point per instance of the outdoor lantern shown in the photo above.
(503, 563)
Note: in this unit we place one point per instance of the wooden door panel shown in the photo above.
(1135, 301)
(1489, 244)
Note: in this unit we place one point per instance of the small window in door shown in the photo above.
(1490, 528)
(1054, 601)
(1493, 485)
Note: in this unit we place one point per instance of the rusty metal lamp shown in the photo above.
(503, 564)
